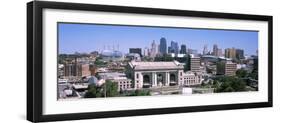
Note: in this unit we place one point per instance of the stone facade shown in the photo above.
(156, 74)
(191, 79)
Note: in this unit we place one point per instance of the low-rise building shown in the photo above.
(84, 70)
(230, 68)
(76, 70)
(112, 55)
(190, 79)
(195, 64)
(155, 74)
(123, 82)
(133, 57)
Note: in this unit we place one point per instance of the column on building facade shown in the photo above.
(167, 79)
(140, 79)
(178, 76)
(154, 79)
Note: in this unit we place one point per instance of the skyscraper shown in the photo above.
(230, 53)
(226, 68)
(163, 46)
(239, 54)
(215, 50)
(146, 51)
(205, 50)
(135, 50)
(183, 49)
(192, 51)
(230, 68)
(195, 64)
(169, 49)
(153, 50)
(174, 48)
(220, 52)
(158, 49)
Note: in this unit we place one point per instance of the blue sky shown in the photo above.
(92, 37)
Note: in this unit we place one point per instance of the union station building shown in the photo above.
(160, 74)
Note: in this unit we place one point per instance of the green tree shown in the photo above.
(220, 67)
(254, 75)
(94, 92)
(137, 93)
(142, 93)
(99, 62)
(168, 57)
(187, 63)
(164, 57)
(238, 85)
(229, 89)
(256, 64)
(216, 85)
(229, 84)
(111, 88)
(241, 73)
(146, 58)
(62, 58)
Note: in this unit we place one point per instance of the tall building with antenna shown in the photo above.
(205, 49)
(163, 46)
(153, 50)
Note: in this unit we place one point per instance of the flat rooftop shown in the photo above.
(155, 65)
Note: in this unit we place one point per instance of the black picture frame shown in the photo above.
(35, 69)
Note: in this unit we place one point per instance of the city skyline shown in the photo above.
(91, 37)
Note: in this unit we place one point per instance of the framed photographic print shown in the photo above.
(95, 61)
